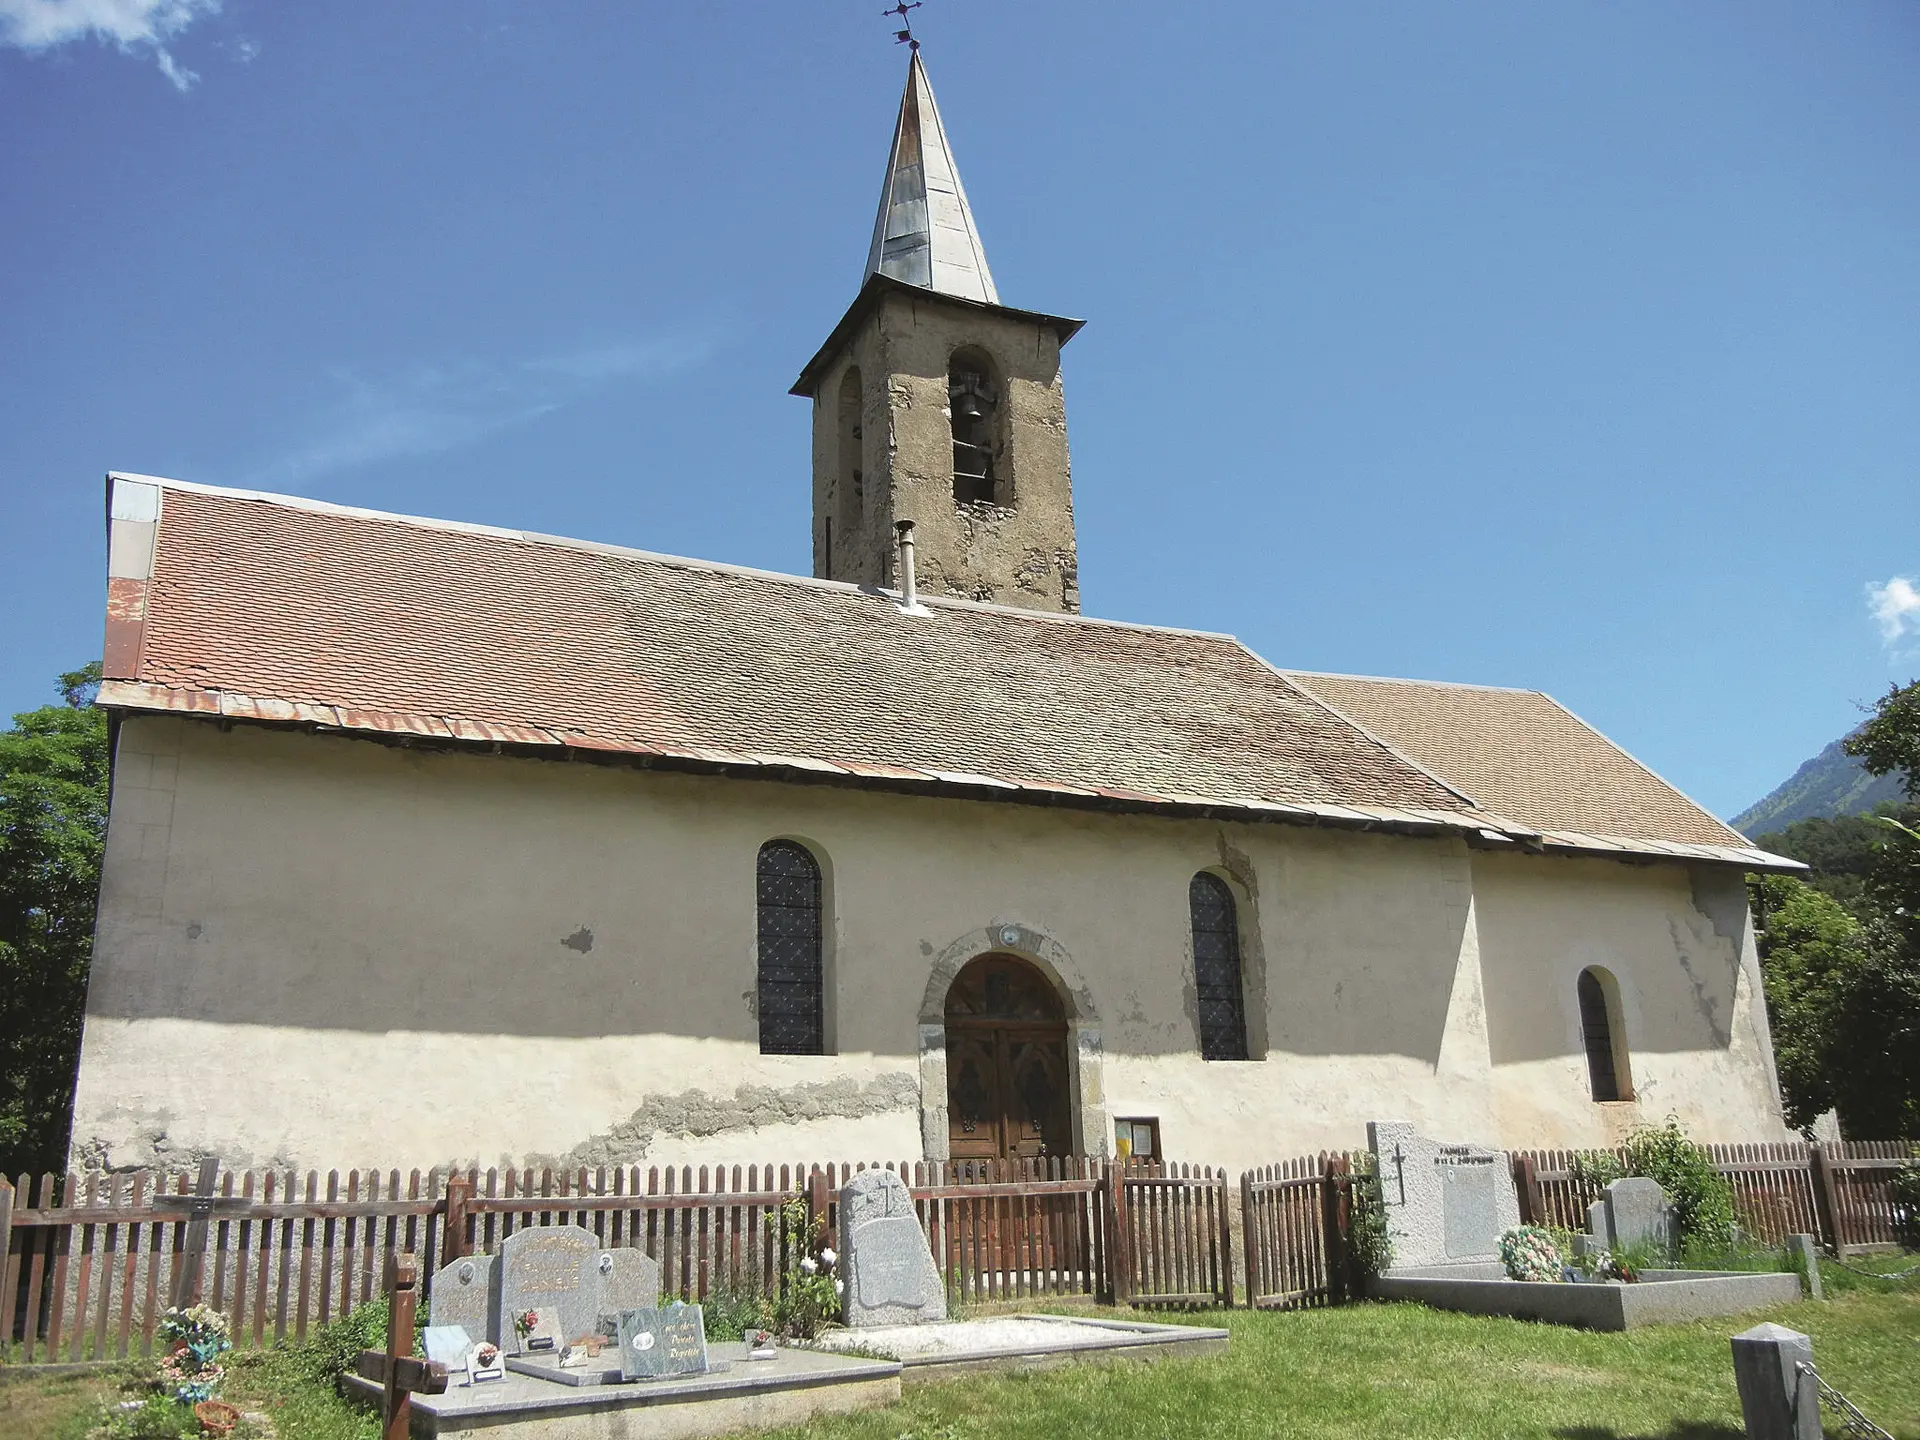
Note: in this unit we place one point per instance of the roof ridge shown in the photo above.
(691, 562)
(1387, 745)
(1435, 684)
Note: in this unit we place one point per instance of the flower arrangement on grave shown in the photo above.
(523, 1324)
(1529, 1253)
(1609, 1266)
(198, 1336)
(810, 1291)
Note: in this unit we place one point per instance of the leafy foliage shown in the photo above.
(809, 1296)
(1370, 1244)
(329, 1352)
(1843, 985)
(1890, 741)
(53, 822)
(1702, 1198)
(1842, 850)
(732, 1312)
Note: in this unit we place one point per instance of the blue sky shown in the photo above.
(1572, 346)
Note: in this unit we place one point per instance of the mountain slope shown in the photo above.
(1832, 783)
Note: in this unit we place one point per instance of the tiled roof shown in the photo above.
(1523, 755)
(261, 607)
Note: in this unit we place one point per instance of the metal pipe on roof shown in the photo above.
(909, 592)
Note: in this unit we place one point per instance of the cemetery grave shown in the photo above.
(1447, 1209)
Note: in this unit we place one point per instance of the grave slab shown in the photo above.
(1661, 1297)
(751, 1395)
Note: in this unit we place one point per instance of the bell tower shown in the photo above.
(935, 403)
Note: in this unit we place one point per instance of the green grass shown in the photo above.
(1366, 1372)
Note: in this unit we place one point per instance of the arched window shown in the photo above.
(1601, 1032)
(787, 888)
(1216, 969)
(973, 409)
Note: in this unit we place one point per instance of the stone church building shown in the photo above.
(439, 842)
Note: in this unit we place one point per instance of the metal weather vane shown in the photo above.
(904, 35)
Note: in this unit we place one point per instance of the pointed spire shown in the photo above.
(925, 233)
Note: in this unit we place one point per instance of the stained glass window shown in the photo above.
(788, 892)
(1216, 969)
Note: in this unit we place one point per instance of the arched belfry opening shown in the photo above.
(973, 415)
(1009, 1087)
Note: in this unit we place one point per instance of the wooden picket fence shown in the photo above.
(1173, 1238)
(1838, 1192)
(1296, 1218)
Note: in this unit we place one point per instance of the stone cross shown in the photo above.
(403, 1374)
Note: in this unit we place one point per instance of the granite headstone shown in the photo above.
(1445, 1204)
(463, 1294)
(1639, 1213)
(889, 1271)
(549, 1268)
(654, 1343)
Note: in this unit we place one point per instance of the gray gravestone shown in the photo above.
(1638, 1213)
(1777, 1401)
(548, 1267)
(654, 1343)
(1808, 1249)
(1600, 1225)
(889, 1271)
(1444, 1203)
(462, 1294)
(630, 1282)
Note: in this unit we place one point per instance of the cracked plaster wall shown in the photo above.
(321, 952)
(1020, 552)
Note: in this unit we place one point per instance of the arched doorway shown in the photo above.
(1009, 1092)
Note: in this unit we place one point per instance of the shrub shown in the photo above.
(1528, 1253)
(1370, 1244)
(329, 1352)
(732, 1312)
(1702, 1198)
(810, 1291)
(161, 1418)
(1905, 1193)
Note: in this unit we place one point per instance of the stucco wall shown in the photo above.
(319, 951)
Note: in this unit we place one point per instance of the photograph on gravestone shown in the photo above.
(548, 1268)
(888, 1267)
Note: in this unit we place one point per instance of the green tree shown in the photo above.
(1842, 850)
(1843, 989)
(53, 822)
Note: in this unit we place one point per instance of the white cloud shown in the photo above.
(430, 408)
(1896, 607)
(131, 25)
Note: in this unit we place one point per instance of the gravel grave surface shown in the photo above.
(964, 1337)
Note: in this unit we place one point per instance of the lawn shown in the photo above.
(1365, 1371)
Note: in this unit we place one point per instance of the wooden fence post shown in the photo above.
(453, 1233)
(1336, 1212)
(1226, 1241)
(1119, 1242)
(817, 1203)
(1249, 1238)
(403, 1279)
(1825, 1198)
(1526, 1175)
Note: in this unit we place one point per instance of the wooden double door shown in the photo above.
(1009, 1090)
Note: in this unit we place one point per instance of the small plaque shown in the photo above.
(657, 1343)
(447, 1344)
(485, 1362)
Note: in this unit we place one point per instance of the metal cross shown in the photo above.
(904, 35)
